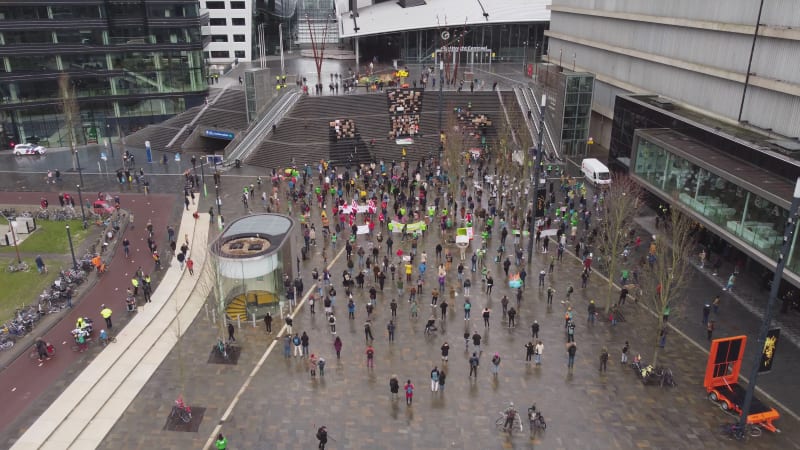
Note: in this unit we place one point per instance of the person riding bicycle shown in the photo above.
(511, 414)
(41, 349)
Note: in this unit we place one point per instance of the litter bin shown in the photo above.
(238, 163)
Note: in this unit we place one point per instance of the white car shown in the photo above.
(29, 149)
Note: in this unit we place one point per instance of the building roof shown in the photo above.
(389, 17)
(253, 235)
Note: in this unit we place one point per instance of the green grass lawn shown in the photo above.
(21, 288)
(49, 237)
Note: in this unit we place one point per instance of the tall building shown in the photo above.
(129, 63)
(734, 60)
(700, 103)
(229, 30)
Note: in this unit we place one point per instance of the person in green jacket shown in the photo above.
(222, 442)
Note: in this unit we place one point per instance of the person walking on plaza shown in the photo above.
(304, 343)
(550, 292)
(537, 353)
(486, 313)
(592, 312)
(370, 352)
(390, 328)
(467, 308)
(445, 351)
(393, 307)
(368, 331)
(571, 331)
(512, 314)
(535, 330)
(476, 342)
(729, 286)
(473, 365)
(435, 379)
(221, 442)
(312, 365)
(529, 347)
(495, 367)
(394, 386)
(443, 307)
(710, 329)
(603, 359)
(706, 313)
(105, 311)
(298, 351)
(231, 332)
(625, 348)
(467, 285)
(409, 390)
(268, 322)
(337, 346)
(715, 304)
(489, 285)
(442, 376)
(287, 346)
(322, 437)
(572, 348)
(332, 323)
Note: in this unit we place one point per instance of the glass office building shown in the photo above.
(129, 63)
(735, 188)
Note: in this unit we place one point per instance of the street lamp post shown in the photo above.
(203, 176)
(525, 58)
(72, 250)
(80, 171)
(791, 224)
(219, 204)
(108, 135)
(83, 212)
(535, 187)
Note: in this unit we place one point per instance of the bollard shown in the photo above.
(214, 316)
(207, 316)
(239, 321)
(254, 320)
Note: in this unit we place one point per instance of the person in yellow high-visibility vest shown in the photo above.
(106, 313)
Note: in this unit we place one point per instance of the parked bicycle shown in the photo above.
(738, 432)
(18, 267)
(181, 411)
(510, 414)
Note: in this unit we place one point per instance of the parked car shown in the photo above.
(29, 149)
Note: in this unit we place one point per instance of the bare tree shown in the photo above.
(621, 203)
(667, 272)
(71, 111)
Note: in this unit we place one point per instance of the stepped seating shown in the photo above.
(303, 134)
(405, 106)
(223, 119)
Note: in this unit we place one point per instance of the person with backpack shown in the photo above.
(221, 442)
(603, 359)
(337, 345)
(390, 328)
(322, 437)
(473, 365)
(624, 358)
(445, 351)
(409, 390)
(298, 350)
(394, 386)
(572, 348)
(571, 331)
(467, 308)
(332, 323)
(370, 357)
(368, 332)
(529, 347)
(495, 367)
(312, 365)
(321, 365)
(435, 379)
(442, 376)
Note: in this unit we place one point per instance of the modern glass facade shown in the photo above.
(493, 43)
(740, 201)
(130, 63)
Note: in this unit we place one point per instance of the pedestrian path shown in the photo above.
(94, 401)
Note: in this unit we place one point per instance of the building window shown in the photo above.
(220, 54)
(238, 21)
(219, 38)
(206, 55)
(238, 38)
(237, 5)
(215, 5)
(238, 53)
(218, 21)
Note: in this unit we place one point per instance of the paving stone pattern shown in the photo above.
(282, 406)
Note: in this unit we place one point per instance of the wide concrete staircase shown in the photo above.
(304, 133)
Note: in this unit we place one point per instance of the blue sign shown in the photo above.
(219, 134)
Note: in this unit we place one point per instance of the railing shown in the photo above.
(252, 138)
(531, 104)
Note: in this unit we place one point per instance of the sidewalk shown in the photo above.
(91, 405)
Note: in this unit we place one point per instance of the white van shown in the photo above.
(596, 173)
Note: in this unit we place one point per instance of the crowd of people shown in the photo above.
(405, 106)
(342, 129)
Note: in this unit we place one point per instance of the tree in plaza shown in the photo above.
(514, 166)
(621, 202)
(72, 119)
(667, 272)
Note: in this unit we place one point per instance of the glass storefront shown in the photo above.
(577, 112)
(713, 196)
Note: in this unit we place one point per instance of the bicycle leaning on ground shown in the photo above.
(181, 410)
(736, 431)
(501, 422)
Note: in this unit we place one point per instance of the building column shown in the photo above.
(357, 56)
